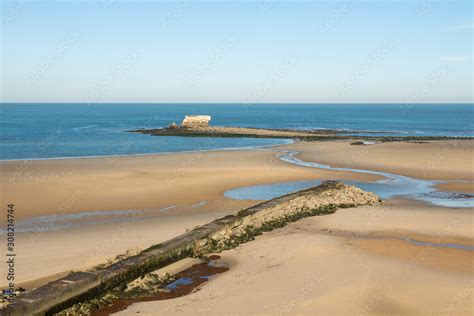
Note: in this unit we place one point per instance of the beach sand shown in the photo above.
(195, 183)
(192, 182)
(435, 160)
(348, 263)
(65, 186)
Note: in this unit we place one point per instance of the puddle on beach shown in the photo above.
(438, 245)
(164, 209)
(392, 185)
(64, 221)
(88, 218)
(187, 282)
(199, 204)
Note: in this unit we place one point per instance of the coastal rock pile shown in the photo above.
(308, 204)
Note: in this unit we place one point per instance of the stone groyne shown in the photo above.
(220, 234)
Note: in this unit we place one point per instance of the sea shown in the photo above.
(66, 130)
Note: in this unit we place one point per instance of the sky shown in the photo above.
(237, 51)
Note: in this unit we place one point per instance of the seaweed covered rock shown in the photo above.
(326, 199)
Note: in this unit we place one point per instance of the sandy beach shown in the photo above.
(237, 158)
(307, 266)
(316, 247)
(192, 183)
(435, 160)
(65, 186)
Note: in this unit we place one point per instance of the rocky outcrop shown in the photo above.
(173, 126)
(203, 130)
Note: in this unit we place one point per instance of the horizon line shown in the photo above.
(239, 103)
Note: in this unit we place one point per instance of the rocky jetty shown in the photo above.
(224, 233)
(333, 195)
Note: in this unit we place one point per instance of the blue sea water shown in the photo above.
(36, 131)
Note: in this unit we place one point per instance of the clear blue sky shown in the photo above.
(245, 51)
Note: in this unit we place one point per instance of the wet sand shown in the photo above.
(194, 183)
(460, 186)
(435, 160)
(310, 266)
(186, 282)
(55, 253)
(66, 186)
